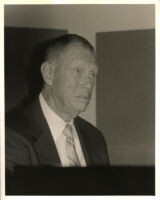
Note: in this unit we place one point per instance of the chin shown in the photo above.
(78, 107)
(81, 108)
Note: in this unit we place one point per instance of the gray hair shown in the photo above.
(59, 44)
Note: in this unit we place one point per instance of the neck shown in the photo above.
(55, 107)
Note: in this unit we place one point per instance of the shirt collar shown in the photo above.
(56, 124)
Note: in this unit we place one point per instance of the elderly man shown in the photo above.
(49, 131)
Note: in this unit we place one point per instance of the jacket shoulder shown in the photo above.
(15, 121)
(95, 140)
(18, 124)
(87, 126)
(90, 132)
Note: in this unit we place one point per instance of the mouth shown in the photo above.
(83, 98)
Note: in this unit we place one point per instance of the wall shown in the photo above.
(85, 20)
(126, 95)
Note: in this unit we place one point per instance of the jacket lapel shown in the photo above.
(47, 151)
(84, 144)
(90, 151)
(43, 140)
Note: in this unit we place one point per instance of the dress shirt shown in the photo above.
(57, 125)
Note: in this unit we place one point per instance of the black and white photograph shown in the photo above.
(79, 99)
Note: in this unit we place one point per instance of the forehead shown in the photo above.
(76, 53)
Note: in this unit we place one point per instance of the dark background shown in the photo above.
(24, 52)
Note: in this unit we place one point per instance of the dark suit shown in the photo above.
(29, 140)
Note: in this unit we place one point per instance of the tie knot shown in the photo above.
(68, 131)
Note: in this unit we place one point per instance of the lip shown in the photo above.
(83, 97)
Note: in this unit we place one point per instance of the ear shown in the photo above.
(47, 71)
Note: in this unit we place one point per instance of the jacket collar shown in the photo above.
(85, 143)
(43, 142)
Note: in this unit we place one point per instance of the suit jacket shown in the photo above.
(29, 140)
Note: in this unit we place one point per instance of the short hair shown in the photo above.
(61, 43)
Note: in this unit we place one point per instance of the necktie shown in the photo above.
(70, 148)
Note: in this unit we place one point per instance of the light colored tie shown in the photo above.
(70, 148)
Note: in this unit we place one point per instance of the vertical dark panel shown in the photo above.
(126, 95)
(22, 62)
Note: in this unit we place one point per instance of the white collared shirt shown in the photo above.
(57, 125)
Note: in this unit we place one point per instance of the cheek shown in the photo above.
(71, 84)
(59, 88)
(71, 87)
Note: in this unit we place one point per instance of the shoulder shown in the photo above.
(19, 140)
(90, 130)
(14, 138)
(84, 123)
(17, 133)
(17, 127)
(19, 150)
(16, 121)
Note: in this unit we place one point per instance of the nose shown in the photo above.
(87, 82)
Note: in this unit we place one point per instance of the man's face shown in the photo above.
(73, 80)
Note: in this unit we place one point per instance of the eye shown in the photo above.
(92, 75)
(77, 71)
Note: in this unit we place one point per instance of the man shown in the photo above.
(49, 131)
